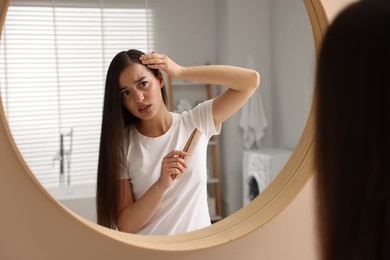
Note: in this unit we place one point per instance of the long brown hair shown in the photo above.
(114, 139)
(353, 134)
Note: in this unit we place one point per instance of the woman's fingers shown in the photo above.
(153, 59)
(173, 163)
(176, 153)
(162, 62)
(177, 165)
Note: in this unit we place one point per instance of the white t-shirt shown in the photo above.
(184, 205)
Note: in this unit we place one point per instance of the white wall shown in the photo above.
(292, 70)
(245, 27)
(278, 36)
(186, 31)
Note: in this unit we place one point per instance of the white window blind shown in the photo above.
(53, 62)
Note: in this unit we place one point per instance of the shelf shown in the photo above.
(213, 180)
(213, 142)
(215, 218)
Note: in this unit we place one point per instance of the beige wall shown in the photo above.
(333, 7)
(32, 226)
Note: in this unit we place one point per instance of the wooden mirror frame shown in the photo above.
(25, 207)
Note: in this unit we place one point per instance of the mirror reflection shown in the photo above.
(54, 64)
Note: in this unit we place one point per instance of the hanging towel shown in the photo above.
(252, 117)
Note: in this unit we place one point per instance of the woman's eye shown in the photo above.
(125, 93)
(143, 83)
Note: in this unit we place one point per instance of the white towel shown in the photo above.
(252, 118)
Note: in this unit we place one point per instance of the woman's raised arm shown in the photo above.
(241, 82)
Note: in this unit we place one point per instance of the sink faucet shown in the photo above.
(60, 156)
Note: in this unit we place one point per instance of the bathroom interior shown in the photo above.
(281, 49)
(273, 37)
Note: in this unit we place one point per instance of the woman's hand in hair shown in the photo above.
(172, 165)
(159, 61)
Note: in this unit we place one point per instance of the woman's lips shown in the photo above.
(144, 109)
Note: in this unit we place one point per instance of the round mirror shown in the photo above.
(249, 58)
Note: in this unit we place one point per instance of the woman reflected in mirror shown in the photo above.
(145, 183)
(353, 134)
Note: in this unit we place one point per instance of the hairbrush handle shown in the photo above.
(190, 145)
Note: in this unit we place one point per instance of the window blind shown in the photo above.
(53, 60)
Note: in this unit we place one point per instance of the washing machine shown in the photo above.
(260, 167)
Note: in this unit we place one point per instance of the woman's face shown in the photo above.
(141, 91)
